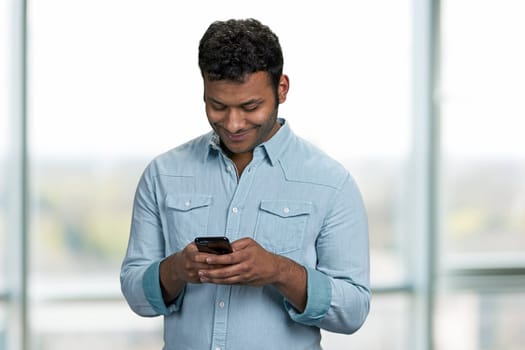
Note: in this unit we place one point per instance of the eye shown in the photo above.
(217, 106)
(250, 107)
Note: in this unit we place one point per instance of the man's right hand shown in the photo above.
(180, 268)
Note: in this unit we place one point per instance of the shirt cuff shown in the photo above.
(153, 291)
(319, 297)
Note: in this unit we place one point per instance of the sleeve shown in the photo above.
(338, 289)
(139, 275)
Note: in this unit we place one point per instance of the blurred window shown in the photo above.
(387, 327)
(482, 110)
(3, 326)
(4, 139)
(489, 320)
(107, 95)
(482, 227)
(103, 325)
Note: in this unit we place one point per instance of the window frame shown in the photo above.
(16, 293)
(430, 276)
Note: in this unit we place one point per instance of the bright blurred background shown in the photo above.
(422, 100)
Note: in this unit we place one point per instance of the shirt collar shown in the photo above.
(274, 147)
(214, 145)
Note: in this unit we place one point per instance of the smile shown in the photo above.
(238, 136)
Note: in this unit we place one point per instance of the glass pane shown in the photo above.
(489, 321)
(483, 148)
(3, 325)
(81, 186)
(105, 99)
(81, 217)
(387, 327)
(4, 135)
(86, 326)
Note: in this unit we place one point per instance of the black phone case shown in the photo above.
(214, 245)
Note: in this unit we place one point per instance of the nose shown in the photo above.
(234, 120)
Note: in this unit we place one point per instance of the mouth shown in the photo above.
(237, 136)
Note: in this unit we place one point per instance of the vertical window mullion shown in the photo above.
(17, 333)
(425, 148)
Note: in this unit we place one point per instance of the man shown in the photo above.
(295, 217)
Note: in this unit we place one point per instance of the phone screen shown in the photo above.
(215, 245)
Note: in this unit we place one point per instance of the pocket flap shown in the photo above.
(284, 208)
(188, 202)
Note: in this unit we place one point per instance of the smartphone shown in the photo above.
(215, 245)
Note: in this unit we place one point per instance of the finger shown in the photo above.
(231, 274)
(220, 271)
(202, 257)
(225, 281)
(219, 277)
(231, 280)
(225, 259)
(202, 266)
(242, 243)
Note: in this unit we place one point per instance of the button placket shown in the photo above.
(220, 321)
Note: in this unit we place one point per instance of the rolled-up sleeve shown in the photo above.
(153, 291)
(139, 276)
(338, 292)
(319, 293)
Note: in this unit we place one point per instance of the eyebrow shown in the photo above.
(246, 103)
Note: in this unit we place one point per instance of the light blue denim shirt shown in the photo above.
(293, 200)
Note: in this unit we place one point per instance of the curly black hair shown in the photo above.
(229, 50)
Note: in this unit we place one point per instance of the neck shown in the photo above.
(241, 160)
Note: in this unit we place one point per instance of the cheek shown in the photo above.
(262, 116)
(213, 116)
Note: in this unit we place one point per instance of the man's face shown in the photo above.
(244, 114)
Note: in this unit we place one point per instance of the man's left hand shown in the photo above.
(252, 265)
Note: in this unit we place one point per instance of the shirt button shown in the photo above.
(286, 210)
(187, 203)
(229, 169)
(221, 304)
(235, 210)
(217, 348)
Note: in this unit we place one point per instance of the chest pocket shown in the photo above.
(281, 225)
(187, 217)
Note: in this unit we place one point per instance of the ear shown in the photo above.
(282, 89)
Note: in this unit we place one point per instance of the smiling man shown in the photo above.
(295, 217)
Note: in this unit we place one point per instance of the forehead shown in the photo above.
(255, 85)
